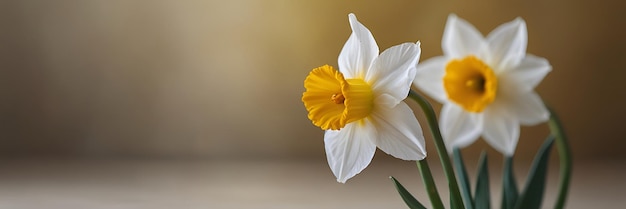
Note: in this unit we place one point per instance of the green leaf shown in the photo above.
(483, 196)
(429, 183)
(509, 186)
(406, 196)
(535, 184)
(453, 204)
(463, 179)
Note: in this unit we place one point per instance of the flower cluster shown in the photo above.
(486, 86)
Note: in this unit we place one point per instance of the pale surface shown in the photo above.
(246, 184)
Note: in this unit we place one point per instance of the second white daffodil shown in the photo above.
(486, 85)
(361, 107)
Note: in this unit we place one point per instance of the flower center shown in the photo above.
(337, 98)
(333, 101)
(470, 83)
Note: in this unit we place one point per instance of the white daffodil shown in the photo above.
(485, 84)
(361, 105)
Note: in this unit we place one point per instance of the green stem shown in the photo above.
(455, 195)
(565, 157)
(431, 188)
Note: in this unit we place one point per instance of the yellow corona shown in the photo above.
(333, 101)
(470, 83)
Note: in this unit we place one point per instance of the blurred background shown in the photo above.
(221, 81)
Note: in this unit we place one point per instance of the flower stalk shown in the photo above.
(455, 195)
(565, 158)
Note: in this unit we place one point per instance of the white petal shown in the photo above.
(358, 52)
(399, 132)
(501, 130)
(385, 100)
(350, 149)
(526, 76)
(429, 78)
(507, 45)
(527, 107)
(394, 70)
(458, 127)
(460, 38)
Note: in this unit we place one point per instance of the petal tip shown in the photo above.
(352, 18)
(521, 22)
(452, 16)
(509, 152)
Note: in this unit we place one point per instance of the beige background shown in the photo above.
(223, 79)
(196, 104)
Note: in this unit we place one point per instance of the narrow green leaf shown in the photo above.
(454, 204)
(429, 183)
(483, 196)
(406, 196)
(464, 183)
(535, 184)
(509, 186)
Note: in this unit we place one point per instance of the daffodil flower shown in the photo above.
(360, 106)
(485, 84)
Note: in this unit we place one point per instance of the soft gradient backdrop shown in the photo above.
(206, 94)
(222, 79)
